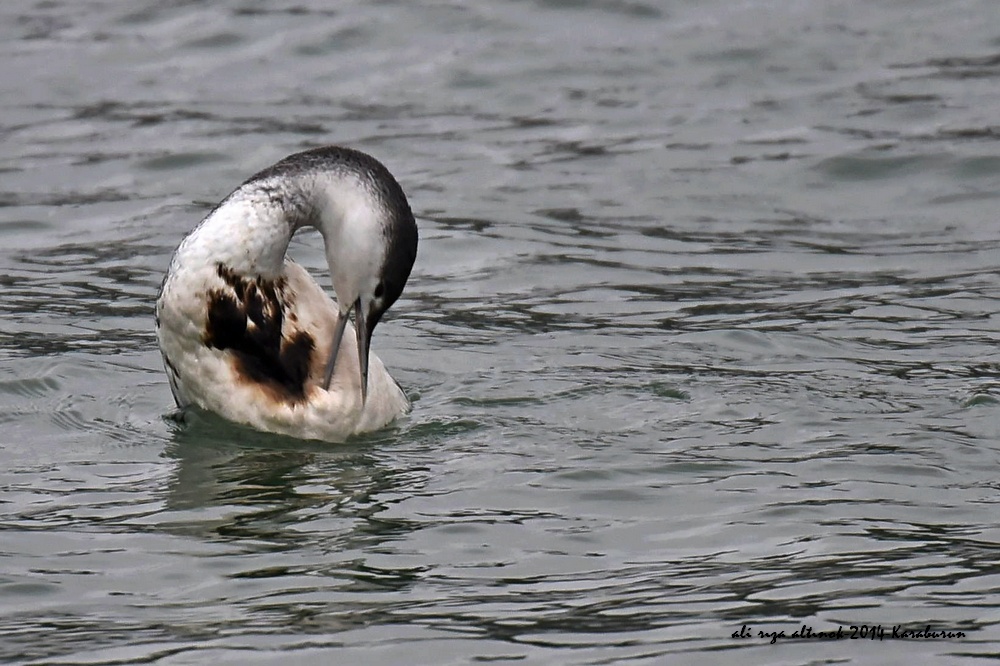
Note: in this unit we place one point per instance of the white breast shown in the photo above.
(222, 381)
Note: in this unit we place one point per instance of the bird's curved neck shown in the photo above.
(250, 230)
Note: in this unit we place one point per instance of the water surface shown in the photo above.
(702, 334)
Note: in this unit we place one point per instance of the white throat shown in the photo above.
(350, 220)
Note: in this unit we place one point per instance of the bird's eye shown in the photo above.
(379, 289)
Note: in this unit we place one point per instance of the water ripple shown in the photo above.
(701, 335)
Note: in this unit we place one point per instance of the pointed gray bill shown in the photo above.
(364, 340)
(338, 336)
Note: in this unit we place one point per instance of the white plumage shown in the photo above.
(247, 333)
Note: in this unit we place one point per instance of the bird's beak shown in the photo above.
(338, 336)
(364, 341)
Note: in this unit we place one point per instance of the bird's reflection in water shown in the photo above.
(303, 526)
(276, 492)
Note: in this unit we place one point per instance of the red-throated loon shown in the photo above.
(248, 334)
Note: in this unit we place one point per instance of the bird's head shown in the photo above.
(371, 246)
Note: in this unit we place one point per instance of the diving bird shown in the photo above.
(246, 333)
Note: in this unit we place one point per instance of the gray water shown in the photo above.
(702, 334)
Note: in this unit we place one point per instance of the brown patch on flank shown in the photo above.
(245, 317)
